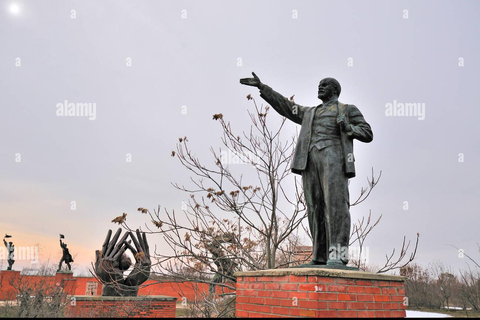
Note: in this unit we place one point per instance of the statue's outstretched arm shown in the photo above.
(281, 104)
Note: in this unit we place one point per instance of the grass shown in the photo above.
(181, 311)
(7, 312)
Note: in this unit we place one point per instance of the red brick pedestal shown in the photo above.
(8, 279)
(66, 280)
(120, 307)
(319, 292)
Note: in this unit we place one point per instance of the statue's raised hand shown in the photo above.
(141, 252)
(254, 82)
(111, 261)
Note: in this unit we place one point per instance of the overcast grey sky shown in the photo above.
(159, 70)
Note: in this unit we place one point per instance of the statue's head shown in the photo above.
(327, 88)
(10, 243)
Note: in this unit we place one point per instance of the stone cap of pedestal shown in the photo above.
(138, 298)
(320, 272)
(64, 275)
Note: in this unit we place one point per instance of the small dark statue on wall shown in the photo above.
(112, 261)
(66, 256)
(226, 266)
(10, 252)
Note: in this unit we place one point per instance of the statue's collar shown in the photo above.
(329, 103)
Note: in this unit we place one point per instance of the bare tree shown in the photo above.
(468, 291)
(420, 287)
(260, 215)
(398, 263)
(363, 227)
(470, 287)
(360, 230)
(447, 283)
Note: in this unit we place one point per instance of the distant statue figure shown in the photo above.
(10, 252)
(324, 158)
(225, 265)
(66, 257)
(112, 261)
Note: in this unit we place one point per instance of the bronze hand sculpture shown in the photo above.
(112, 261)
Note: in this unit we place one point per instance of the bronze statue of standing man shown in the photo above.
(324, 158)
(10, 252)
(66, 256)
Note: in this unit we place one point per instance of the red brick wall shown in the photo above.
(189, 290)
(81, 287)
(10, 280)
(135, 307)
(316, 296)
(78, 285)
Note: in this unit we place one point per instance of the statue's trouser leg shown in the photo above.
(337, 202)
(326, 193)
(10, 264)
(69, 266)
(314, 198)
(60, 265)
